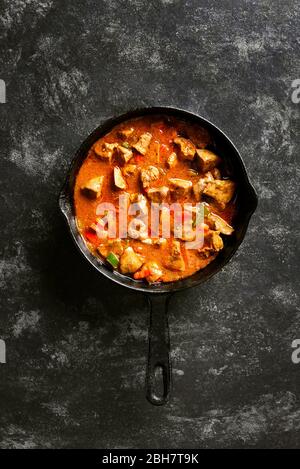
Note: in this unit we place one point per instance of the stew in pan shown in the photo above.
(162, 163)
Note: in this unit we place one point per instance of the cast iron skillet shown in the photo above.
(158, 295)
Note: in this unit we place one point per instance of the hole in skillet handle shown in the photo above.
(158, 378)
(158, 387)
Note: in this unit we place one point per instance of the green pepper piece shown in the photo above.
(206, 211)
(113, 260)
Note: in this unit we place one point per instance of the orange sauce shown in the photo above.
(163, 131)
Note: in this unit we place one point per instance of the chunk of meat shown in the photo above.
(187, 148)
(143, 143)
(206, 160)
(118, 178)
(105, 151)
(216, 241)
(158, 194)
(130, 262)
(221, 191)
(180, 187)
(129, 170)
(140, 201)
(172, 160)
(200, 185)
(216, 173)
(123, 154)
(150, 271)
(197, 190)
(174, 260)
(213, 244)
(205, 252)
(149, 175)
(220, 225)
(126, 132)
(93, 188)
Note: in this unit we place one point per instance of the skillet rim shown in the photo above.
(67, 208)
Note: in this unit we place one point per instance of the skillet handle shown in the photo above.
(159, 366)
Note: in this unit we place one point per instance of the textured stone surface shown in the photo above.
(76, 344)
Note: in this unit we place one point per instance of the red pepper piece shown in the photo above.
(139, 159)
(91, 236)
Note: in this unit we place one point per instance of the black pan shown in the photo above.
(158, 295)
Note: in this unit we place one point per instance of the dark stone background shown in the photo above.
(76, 344)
